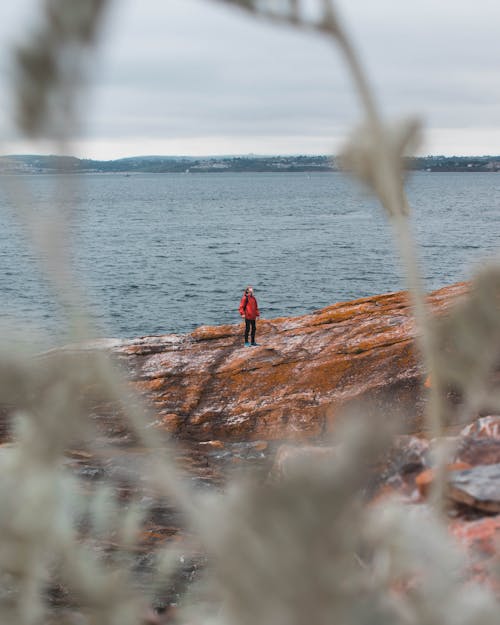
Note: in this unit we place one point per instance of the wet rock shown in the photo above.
(478, 487)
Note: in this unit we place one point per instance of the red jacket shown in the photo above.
(248, 307)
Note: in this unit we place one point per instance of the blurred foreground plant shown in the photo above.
(304, 549)
(308, 549)
(374, 154)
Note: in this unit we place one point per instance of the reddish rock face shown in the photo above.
(484, 427)
(479, 451)
(307, 370)
(480, 539)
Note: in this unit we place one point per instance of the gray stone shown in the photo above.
(478, 487)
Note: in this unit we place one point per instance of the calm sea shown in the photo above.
(160, 253)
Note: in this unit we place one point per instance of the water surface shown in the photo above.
(159, 253)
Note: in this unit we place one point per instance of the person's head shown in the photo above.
(249, 290)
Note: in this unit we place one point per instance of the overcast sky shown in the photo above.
(193, 77)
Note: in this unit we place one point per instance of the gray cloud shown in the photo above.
(192, 68)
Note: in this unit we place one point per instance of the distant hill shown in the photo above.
(163, 164)
(37, 164)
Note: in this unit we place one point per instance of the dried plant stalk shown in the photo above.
(302, 550)
(375, 156)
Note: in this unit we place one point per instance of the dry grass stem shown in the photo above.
(300, 550)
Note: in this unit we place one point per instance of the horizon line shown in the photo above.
(235, 155)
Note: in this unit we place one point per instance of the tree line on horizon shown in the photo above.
(221, 164)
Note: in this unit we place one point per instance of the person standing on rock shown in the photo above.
(249, 310)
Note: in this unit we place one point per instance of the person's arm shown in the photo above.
(242, 308)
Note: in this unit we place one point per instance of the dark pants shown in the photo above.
(249, 323)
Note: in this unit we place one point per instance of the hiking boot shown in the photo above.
(254, 344)
(247, 344)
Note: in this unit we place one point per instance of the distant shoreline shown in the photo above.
(40, 164)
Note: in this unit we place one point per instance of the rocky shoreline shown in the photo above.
(206, 386)
(229, 408)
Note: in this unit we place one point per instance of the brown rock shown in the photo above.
(213, 444)
(425, 479)
(482, 534)
(484, 427)
(397, 471)
(206, 388)
(478, 487)
(477, 451)
(308, 370)
(479, 442)
(169, 421)
(407, 455)
(480, 539)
